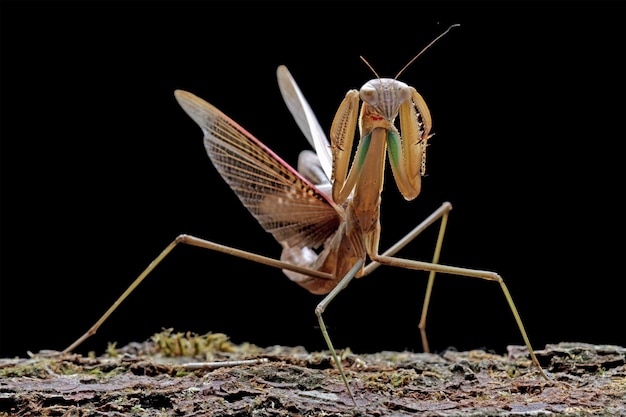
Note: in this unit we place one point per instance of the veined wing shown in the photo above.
(305, 118)
(283, 202)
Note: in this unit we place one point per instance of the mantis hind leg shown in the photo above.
(193, 241)
(388, 258)
(465, 272)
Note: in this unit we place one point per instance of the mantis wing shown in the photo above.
(305, 118)
(283, 202)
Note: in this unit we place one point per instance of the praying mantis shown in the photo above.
(326, 214)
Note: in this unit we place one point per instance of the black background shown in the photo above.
(101, 169)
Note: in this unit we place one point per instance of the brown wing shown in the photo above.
(283, 202)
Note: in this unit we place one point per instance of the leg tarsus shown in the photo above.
(333, 353)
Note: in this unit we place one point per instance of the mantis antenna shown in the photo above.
(414, 58)
(425, 48)
(370, 67)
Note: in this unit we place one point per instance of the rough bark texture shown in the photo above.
(155, 378)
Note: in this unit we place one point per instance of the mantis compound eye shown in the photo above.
(369, 94)
(404, 93)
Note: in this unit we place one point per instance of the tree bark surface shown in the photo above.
(191, 375)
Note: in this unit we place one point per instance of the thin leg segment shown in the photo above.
(440, 213)
(431, 281)
(319, 310)
(453, 270)
(434, 267)
(193, 241)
